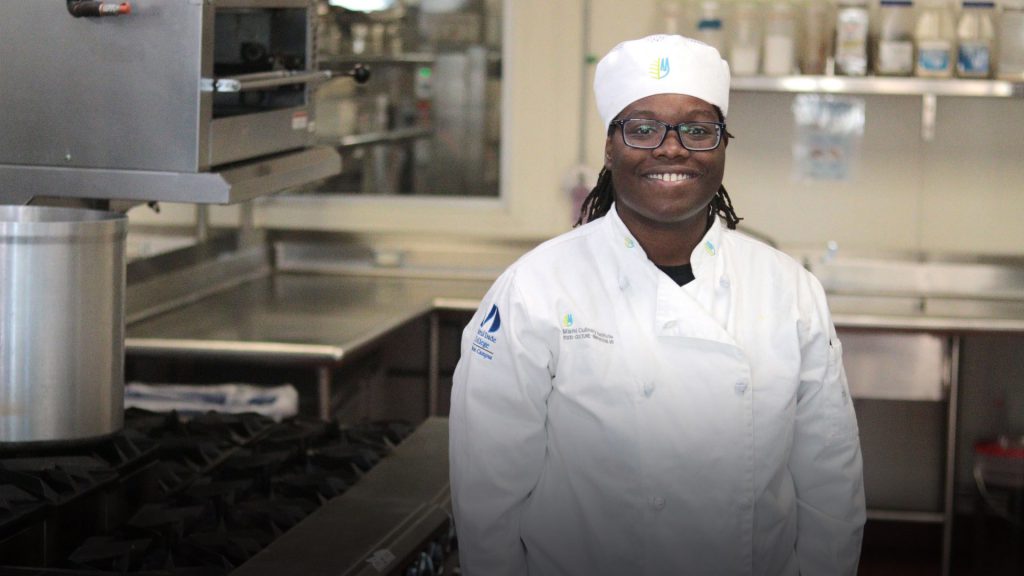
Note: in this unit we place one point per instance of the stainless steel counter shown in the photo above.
(284, 317)
(298, 317)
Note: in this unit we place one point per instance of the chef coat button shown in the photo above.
(623, 282)
(648, 389)
(724, 281)
(670, 324)
(657, 502)
(740, 388)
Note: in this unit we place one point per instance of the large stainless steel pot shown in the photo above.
(62, 284)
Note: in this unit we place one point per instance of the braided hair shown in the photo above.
(600, 199)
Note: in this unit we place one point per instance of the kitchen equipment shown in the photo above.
(235, 494)
(62, 283)
(161, 103)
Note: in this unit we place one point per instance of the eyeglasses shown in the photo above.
(650, 134)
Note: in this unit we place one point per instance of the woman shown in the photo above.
(653, 392)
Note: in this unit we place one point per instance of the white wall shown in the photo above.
(962, 192)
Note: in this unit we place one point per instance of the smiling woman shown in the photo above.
(663, 395)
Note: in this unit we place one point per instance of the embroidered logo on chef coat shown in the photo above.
(485, 338)
(710, 248)
(628, 242)
(571, 331)
(659, 68)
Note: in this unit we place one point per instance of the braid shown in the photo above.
(721, 205)
(600, 199)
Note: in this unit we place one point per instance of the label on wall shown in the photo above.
(828, 136)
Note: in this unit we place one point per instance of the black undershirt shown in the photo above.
(679, 274)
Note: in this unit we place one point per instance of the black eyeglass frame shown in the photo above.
(720, 130)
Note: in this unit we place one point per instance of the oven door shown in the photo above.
(257, 94)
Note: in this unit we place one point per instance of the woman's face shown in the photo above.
(669, 185)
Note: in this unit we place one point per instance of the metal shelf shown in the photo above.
(928, 89)
(889, 86)
(907, 516)
(342, 63)
(377, 137)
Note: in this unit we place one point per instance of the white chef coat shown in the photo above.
(605, 421)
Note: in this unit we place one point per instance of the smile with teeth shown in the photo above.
(671, 177)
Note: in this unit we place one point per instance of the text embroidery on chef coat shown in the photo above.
(485, 334)
(572, 332)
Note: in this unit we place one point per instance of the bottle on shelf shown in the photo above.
(745, 39)
(851, 45)
(894, 50)
(779, 38)
(710, 25)
(935, 35)
(816, 37)
(975, 35)
(1011, 41)
(669, 17)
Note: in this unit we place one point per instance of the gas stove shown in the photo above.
(198, 496)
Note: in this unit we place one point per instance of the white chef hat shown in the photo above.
(660, 64)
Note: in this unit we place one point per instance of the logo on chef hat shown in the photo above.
(658, 68)
(493, 320)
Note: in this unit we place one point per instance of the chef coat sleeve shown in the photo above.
(825, 460)
(497, 429)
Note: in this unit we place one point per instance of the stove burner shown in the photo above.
(174, 496)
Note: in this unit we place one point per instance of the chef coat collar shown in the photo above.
(703, 259)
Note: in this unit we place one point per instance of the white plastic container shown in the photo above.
(779, 39)
(710, 25)
(1011, 41)
(975, 35)
(851, 46)
(894, 51)
(745, 39)
(935, 34)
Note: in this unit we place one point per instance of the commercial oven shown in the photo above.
(177, 100)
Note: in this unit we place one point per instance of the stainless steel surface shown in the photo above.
(930, 293)
(949, 489)
(122, 114)
(228, 186)
(388, 516)
(262, 80)
(169, 281)
(434, 368)
(880, 85)
(293, 318)
(61, 361)
(379, 137)
(344, 62)
(901, 516)
(895, 366)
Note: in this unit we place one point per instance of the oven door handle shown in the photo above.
(261, 80)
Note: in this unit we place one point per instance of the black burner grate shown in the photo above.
(173, 496)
